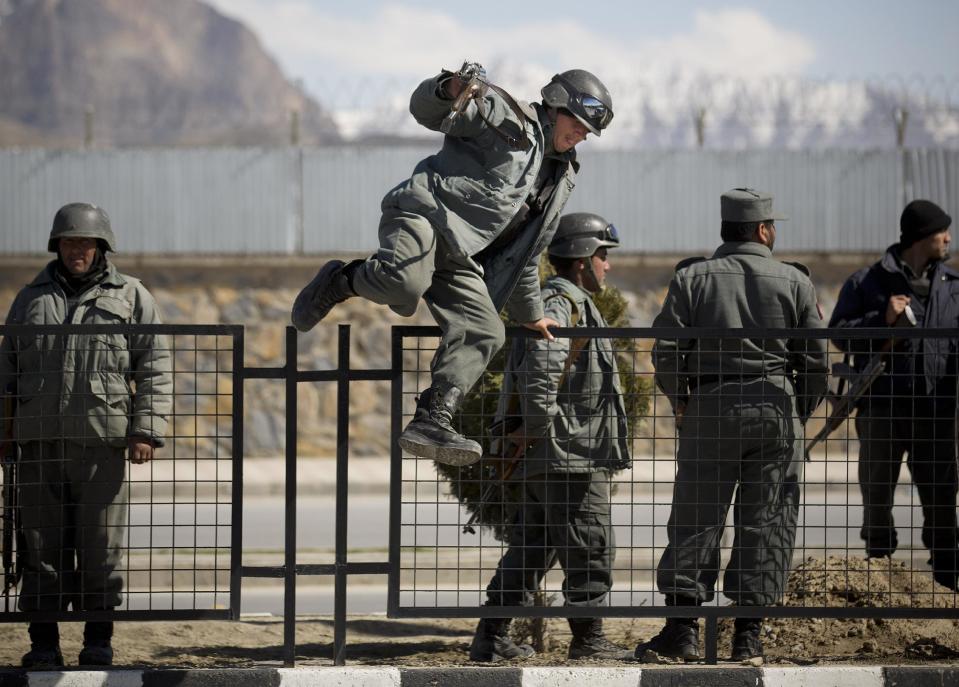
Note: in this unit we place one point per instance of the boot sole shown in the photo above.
(641, 656)
(412, 442)
(624, 655)
(302, 315)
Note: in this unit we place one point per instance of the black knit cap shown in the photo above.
(920, 219)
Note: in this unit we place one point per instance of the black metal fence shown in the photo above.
(738, 511)
(739, 449)
(88, 532)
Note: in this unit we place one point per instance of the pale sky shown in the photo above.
(322, 41)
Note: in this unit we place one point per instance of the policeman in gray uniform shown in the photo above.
(572, 434)
(740, 405)
(465, 233)
(84, 403)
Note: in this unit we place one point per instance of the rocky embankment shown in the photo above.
(258, 292)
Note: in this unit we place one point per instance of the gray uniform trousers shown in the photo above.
(928, 440)
(73, 516)
(413, 263)
(565, 518)
(744, 435)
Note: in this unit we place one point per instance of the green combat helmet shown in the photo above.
(580, 234)
(582, 95)
(81, 220)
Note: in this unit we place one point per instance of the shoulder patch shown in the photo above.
(799, 266)
(687, 262)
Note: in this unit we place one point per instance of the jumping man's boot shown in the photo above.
(330, 286)
(492, 644)
(746, 643)
(44, 647)
(589, 641)
(97, 649)
(679, 638)
(430, 433)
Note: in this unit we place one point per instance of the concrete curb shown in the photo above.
(665, 676)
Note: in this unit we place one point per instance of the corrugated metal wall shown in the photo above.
(288, 201)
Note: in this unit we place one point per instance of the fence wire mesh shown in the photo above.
(118, 474)
(739, 507)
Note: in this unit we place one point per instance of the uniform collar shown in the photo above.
(892, 262)
(569, 286)
(742, 248)
(112, 278)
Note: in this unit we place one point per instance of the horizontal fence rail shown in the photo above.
(728, 510)
(87, 532)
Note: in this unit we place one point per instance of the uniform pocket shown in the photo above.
(112, 390)
(107, 409)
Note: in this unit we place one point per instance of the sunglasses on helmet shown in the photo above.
(586, 106)
(609, 234)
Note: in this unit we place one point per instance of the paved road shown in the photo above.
(432, 537)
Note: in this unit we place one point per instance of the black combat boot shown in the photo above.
(880, 543)
(945, 564)
(430, 433)
(331, 285)
(491, 643)
(589, 641)
(97, 650)
(746, 643)
(44, 647)
(679, 638)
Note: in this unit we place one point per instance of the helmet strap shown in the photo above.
(588, 263)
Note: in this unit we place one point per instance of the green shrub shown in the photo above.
(469, 483)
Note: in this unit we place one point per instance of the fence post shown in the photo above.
(294, 127)
(342, 494)
(289, 528)
(900, 117)
(88, 127)
(712, 639)
(699, 120)
(236, 528)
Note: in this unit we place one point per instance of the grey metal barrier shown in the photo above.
(658, 511)
(735, 511)
(93, 530)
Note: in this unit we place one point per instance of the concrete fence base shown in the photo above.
(699, 676)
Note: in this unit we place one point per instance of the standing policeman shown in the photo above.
(910, 409)
(465, 233)
(76, 420)
(573, 436)
(740, 404)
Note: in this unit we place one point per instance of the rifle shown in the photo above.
(859, 383)
(9, 458)
(473, 76)
(509, 462)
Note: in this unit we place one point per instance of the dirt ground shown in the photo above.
(375, 640)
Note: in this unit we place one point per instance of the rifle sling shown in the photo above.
(521, 143)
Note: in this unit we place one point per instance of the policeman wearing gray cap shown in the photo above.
(740, 403)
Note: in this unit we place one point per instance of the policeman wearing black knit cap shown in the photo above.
(910, 410)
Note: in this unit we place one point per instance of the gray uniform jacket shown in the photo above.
(741, 286)
(579, 426)
(473, 187)
(77, 386)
